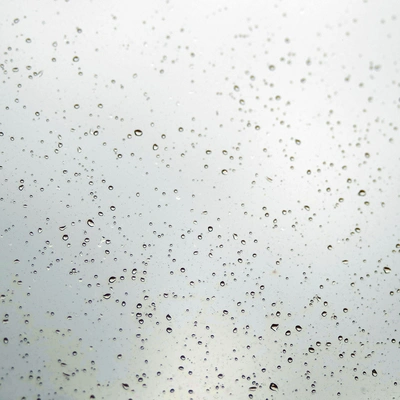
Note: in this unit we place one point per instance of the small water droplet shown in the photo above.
(125, 386)
(138, 132)
(362, 193)
(224, 172)
(75, 59)
(374, 372)
(106, 296)
(155, 146)
(274, 327)
(65, 237)
(298, 328)
(273, 387)
(90, 222)
(112, 279)
(386, 270)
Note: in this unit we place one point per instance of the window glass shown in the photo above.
(199, 200)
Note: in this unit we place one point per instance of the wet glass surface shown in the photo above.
(199, 200)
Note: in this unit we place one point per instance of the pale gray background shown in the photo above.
(299, 101)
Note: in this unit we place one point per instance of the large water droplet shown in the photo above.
(138, 132)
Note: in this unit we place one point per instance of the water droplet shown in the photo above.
(21, 187)
(155, 146)
(65, 237)
(5, 340)
(274, 327)
(362, 193)
(298, 142)
(138, 132)
(169, 330)
(75, 59)
(273, 387)
(374, 372)
(386, 270)
(298, 328)
(224, 172)
(106, 296)
(272, 67)
(112, 279)
(125, 386)
(90, 222)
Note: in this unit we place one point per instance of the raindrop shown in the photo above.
(298, 328)
(274, 327)
(106, 296)
(65, 237)
(224, 172)
(362, 193)
(90, 223)
(138, 132)
(374, 372)
(386, 270)
(112, 279)
(273, 387)
(125, 386)
(75, 59)
(155, 146)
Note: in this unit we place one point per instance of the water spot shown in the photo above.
(65, 237)
(155, 146)
(90, 222)
(75, 59)
(273, 387)
(106, 296)
(362, 193)
(224, 172)
(298, 328)
(112, 279)
(138, 132)
(386, 270)
(374, 372)
(274, 327)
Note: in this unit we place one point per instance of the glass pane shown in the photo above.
(199, 200)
